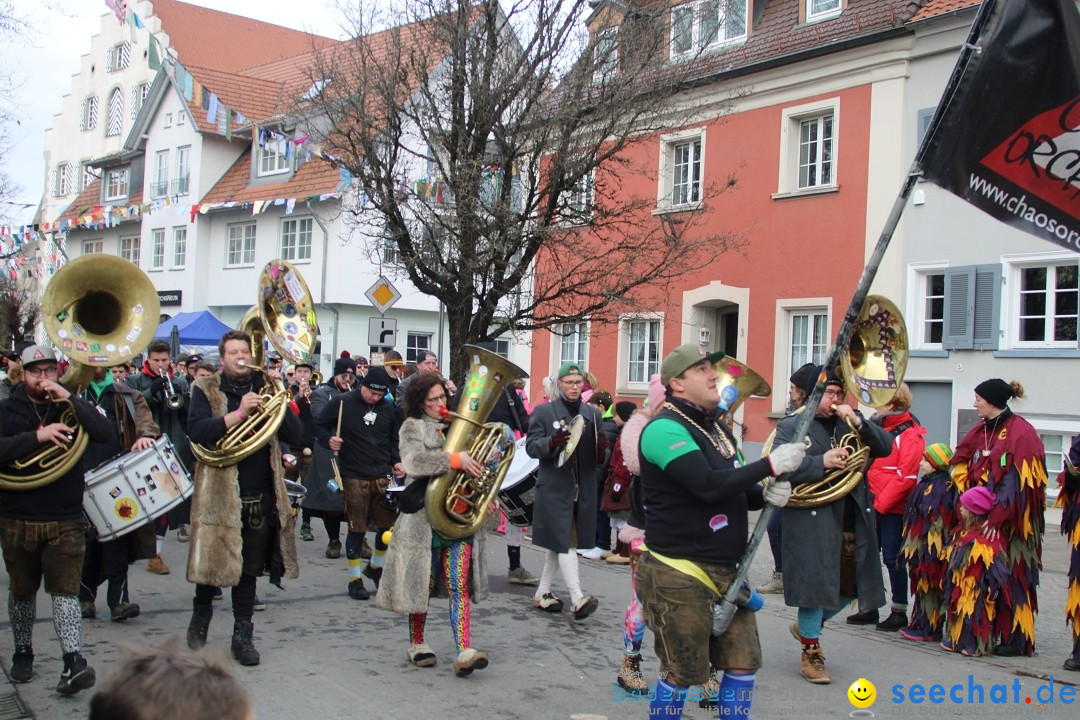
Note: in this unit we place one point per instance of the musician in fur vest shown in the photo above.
(419, 561)
(241, 524)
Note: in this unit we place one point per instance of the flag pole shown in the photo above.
(729, 604)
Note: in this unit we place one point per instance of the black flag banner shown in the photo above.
(1008, 139)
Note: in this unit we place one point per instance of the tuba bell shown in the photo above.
(284, 316)
(457, 504)
(100, 310)
(736, 382)
(873, 369)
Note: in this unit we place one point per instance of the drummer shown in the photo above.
(135, 430)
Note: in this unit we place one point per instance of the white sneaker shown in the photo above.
(593, 554)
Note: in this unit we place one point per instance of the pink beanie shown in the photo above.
(978, 500)
(655, 398)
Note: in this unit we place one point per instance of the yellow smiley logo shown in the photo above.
(862, 693)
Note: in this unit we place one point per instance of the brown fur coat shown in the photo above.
(215, 555)
(405, 579)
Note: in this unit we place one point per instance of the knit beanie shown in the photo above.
(938, 455)
(995, 391)
(624, 409)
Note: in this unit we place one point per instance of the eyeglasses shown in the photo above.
(436, 399)
(572, 383)
(37, 371)
(833, 393)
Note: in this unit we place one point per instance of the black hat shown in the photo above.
(800, 376)
(624, 409)
(308, 365)
(994, 391)
(377, 379)
(815, 372)
(344, 365)
(183, 358)
(194, 359)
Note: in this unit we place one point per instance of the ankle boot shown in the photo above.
(243, 646)
(199, 625)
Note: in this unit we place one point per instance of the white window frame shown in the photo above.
(917, 309)
(160, 187)
(183, 170)
(116, 184)
(786, 309)
(131, 249)
(272, 159)
(295, 239)
(168, 120)
(790, 145)
(670, 145)
(708, 29)
(87, 176)
(240, 245)
(580, 199)
(606, 55)
(503, 347)
(1014, 267)
(119, 56)
(179, 248)
(416, 343)
(831, 8)
(67, 179)
(157, 249)
(90, 108)
(639, 382)
(817, 340)
(93, 247)
(567, 340)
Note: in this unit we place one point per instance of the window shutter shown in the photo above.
(92, 112)
(116, 112)
(959, 308)
(109, 59)
(53, 182)
(925, 115)
(987, 314)
(135, 100)
(82, 114)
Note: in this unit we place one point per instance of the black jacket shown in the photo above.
(61, 499)
(369, 449)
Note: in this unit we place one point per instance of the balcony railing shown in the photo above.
(180, 186)
(159, 189)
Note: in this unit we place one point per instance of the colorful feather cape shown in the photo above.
(977, 588)
(1069, 502)
(929, 521)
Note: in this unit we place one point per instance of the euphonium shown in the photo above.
(873, 368)
(285, 316)
(457, 504)
(100, 310)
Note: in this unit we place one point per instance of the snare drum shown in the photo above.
(131, 490)
(519, 486)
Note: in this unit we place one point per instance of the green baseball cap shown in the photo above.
(570, 368)
(682, 357)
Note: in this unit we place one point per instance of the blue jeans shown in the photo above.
(775, 532)
(890, 538)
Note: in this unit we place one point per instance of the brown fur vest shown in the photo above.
(215, 555)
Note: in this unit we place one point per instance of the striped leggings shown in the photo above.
(454, 561)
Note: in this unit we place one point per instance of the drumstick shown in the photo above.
(334, 457)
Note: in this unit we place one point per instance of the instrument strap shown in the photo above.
(686, 567)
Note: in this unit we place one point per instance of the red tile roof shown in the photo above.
(90, 198)
(254, 98)
(315, 177)
(227, 42)
(933, 8)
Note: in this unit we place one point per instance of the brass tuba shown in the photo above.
(736, 382)
(284, 315)
(873, 368)
(457, 504)
(100, 310)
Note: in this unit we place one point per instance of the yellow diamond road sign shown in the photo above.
(383, 294)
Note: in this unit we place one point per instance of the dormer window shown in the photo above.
(697, 26)
(116, 184)
(821, 9)
(315, 90)
(272, 159)
(606, 55)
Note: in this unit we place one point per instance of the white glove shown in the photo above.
(777, 493)
(786, 458)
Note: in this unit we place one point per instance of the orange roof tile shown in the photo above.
(254, 98)
(933, 8)
(227, 42)
(315, 177)
(86, 201)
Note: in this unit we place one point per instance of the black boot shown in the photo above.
(243, 646)
(199, 625)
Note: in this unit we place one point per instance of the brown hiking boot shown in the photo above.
(157, 566)
(630, 677)
(813, 665)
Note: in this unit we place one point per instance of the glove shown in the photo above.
(777, 493)
(559, 439)
(157, 386)
(786, 458)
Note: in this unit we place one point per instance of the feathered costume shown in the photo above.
(1006, 455)
(977, 588)
(930, 518)
(1069, 502)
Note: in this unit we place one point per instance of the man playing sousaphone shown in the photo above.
(830, 549)
(240, 513)
(42, 529)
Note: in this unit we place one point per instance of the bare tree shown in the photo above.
(494, 149)
(11, 27)
(19, 313)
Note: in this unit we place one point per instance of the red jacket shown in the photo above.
(893, 478)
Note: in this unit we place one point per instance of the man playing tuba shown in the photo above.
(830, 549)
(42, 530)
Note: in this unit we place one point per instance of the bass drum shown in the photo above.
(519, 487)
(128, 492)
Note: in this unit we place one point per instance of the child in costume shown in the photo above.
(929, 521)
(1069, 502)
(977, 582)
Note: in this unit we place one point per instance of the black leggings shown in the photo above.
(243, 597)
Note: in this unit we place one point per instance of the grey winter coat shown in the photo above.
(811, 537)
(172, 421)
(557, 488)
(407, 569)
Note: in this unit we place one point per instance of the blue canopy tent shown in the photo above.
(199, 331)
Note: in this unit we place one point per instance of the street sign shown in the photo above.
(382, 332)
(383, 294)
